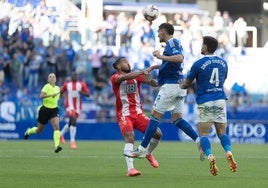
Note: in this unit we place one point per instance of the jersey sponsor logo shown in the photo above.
(215, 90)
(214, 108)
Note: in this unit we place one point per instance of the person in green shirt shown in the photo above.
(49, 110)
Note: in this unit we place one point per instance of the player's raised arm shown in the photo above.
(178, 58)
(150, 81)
(129, 76)
(124, 71)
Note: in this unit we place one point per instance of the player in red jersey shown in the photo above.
(129, 111)
(73, 102)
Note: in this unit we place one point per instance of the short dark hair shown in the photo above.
(117, 61)
(211, 43)
(168, 27)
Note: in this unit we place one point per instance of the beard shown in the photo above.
(126, 70)
(203, 52)
(161, 40)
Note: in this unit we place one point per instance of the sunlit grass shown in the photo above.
(97, 164)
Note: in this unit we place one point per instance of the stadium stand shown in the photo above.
(30, 29)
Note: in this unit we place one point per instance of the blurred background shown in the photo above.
(42, 36)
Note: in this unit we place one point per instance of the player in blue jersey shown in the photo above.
(210, 73)
(170, 96)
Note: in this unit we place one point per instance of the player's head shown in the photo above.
(165, 31)
(121, 64)
(209, 46)
(51, 78)
(74, 76)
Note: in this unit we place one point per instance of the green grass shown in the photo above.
(97, 164)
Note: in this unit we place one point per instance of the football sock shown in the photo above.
(150, 131)
(205, 145)
(32, 130)
(56, 138)
(152, 145)
(225, 142)
(65, 129)
(186, 127)
(197, 140)
(129, 160)
(72, 133)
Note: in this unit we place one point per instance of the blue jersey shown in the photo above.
(170, 73)
(210, 73)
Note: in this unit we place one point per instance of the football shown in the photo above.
(150, 12)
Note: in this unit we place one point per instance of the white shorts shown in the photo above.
(212, 111)
(170, 98)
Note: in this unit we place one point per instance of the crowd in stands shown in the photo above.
(35, 41)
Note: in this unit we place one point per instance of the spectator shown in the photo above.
(51, 60)
(96, 62)
(80, 65)
(62, 67)
(110, 30)
(106, 60)
(34, 67)
(17, 70)
(218, 22)
(70, 54)
(177, 19)
(122, 28)
(2, 66)
(42, 50)
(26, 70)
(239, 96)
(99, 85)
(227, 20)
(25, 104)
(148, 37)
(3, 92)
(241, 33)
(102, 115)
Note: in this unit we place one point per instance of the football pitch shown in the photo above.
(99, 164)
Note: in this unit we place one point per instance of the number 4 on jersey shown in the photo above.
(214, 78)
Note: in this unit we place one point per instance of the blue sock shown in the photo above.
(186, 127)
(226, 142)
(150, 131)
(205, 145)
